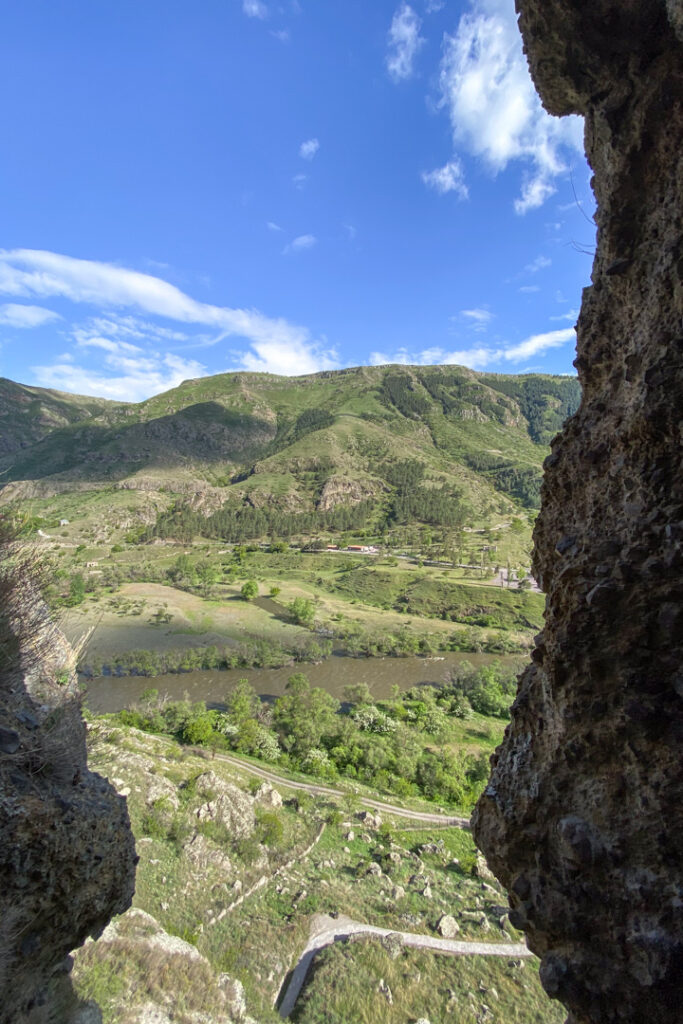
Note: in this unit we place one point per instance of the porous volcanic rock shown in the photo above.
(581, 819)
(67, 857)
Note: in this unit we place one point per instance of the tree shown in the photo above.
(76, 590)
(302, 611)
(249, 590)
(304, 714)
(242, 702)
(358, 693)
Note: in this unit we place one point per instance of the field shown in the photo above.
(131, 603)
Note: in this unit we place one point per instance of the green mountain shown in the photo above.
(399, 441)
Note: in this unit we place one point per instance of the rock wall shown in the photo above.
(582, 817)
(67, 857)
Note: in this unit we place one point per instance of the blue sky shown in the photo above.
(280, 185)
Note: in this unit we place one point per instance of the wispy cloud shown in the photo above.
(449, 178)
(539, 343)
(119, 295)
(479, 319)
(308, 149)
(481, 356)
(255, 9)
(14, 315)
(529, 288)
(404, 42)
(128, 380)
(281, 34)
(300, 243)
(571, 315)
(494, 110)
(299, 181)
(540, 263)
(272, 226)
(433, 6)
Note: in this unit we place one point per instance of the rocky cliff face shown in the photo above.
(67, 858)
(582, 816)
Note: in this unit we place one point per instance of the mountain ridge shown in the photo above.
(296, 442)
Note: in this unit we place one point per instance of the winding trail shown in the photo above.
(443, 820)
(325, 930)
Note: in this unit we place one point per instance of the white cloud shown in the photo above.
(433, 6)
(448, 178)
(272, 226)
(540, 263)
(350, 231)
(255, 9)
(571, 315)
(480, 357)
(308, 149)
(14, 315)
(539, 343)
(529, 288)
(404, 41)
(282, 35)
(494, 110)
(287, 359)
(300, 243)
(118, 293)
(479, 318)
(137, 379)
(299, 181)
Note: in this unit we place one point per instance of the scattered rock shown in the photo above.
(482, 870)
(203, 855)
(235, 1001)
(267, 796)
(369, 819)
(9, 741)
(226, 804)
(448, 927)
(393, 944)
(384, 989)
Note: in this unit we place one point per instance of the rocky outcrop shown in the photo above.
(340, 490)
(67, 858)
(581, 819)
(166, 981)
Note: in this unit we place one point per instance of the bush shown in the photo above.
(249, 590)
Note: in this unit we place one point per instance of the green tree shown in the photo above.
(242, 702)
(302, 611)
(76, 590)
(249, 590)
(304, 714)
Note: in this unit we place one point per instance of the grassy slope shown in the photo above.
(344, 988)
(259, 941)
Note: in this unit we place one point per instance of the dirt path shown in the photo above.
(317, 790)
(325, 930)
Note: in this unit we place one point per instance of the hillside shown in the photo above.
(398, 444)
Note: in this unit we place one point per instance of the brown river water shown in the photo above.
(111, 693)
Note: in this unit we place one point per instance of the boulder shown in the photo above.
(225, 804)
(448, 927)
(267, 796)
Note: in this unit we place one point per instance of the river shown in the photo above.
(112, 693)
